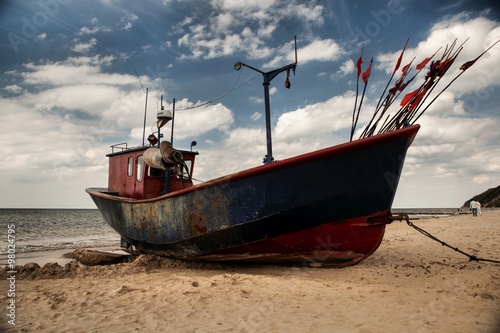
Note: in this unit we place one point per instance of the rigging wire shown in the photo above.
(234, 87)
(221, 96)
(140, 81)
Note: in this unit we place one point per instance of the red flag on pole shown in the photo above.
(445, 65)
(360, 61)
(408, 97)
(358, 65)
(423, 63)
(426, 60)
(405, 69)
(417, 99)
(471, 62)
(398, 63)
(367, 73)
(468, 64)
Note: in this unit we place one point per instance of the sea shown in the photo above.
(58, 229)
(54, 229)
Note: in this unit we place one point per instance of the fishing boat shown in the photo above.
(328, 207)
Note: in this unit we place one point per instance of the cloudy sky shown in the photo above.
(74, 75)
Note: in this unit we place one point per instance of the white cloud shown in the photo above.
(257, 6)
(311, 13)
(241, 148)
(13, 88)
(75, 117)
(224, 21)
(321, 50)
(200, 120)
(127, 20)
(481, 179)
(242, 27)
(256, 116)
(316, 120)
(84, 47)
(346, 68)
(78, 107)
(453, 147)
(317, 50)
(88, 31)
(72, 71)
(256, 100)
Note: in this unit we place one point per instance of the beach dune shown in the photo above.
(410, 284)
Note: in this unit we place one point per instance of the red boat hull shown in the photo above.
(339, 244)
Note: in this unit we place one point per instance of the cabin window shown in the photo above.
(140, 168)
(153, 172)
(130, 168)
(188, 164)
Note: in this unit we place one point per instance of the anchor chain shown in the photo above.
(405, 217)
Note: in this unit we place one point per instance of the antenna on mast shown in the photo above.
(295, 40)
(145, 108)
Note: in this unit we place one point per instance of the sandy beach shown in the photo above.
(411, 284)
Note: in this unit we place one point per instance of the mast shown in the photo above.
(267, 77)
(173, 118)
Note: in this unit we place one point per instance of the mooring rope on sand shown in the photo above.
(428, 234)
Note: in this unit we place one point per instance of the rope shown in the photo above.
(428, 234)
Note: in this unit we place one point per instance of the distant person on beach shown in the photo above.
(473, 206)
(478, 208)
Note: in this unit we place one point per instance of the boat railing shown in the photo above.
(119, 147)
(123, 146)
